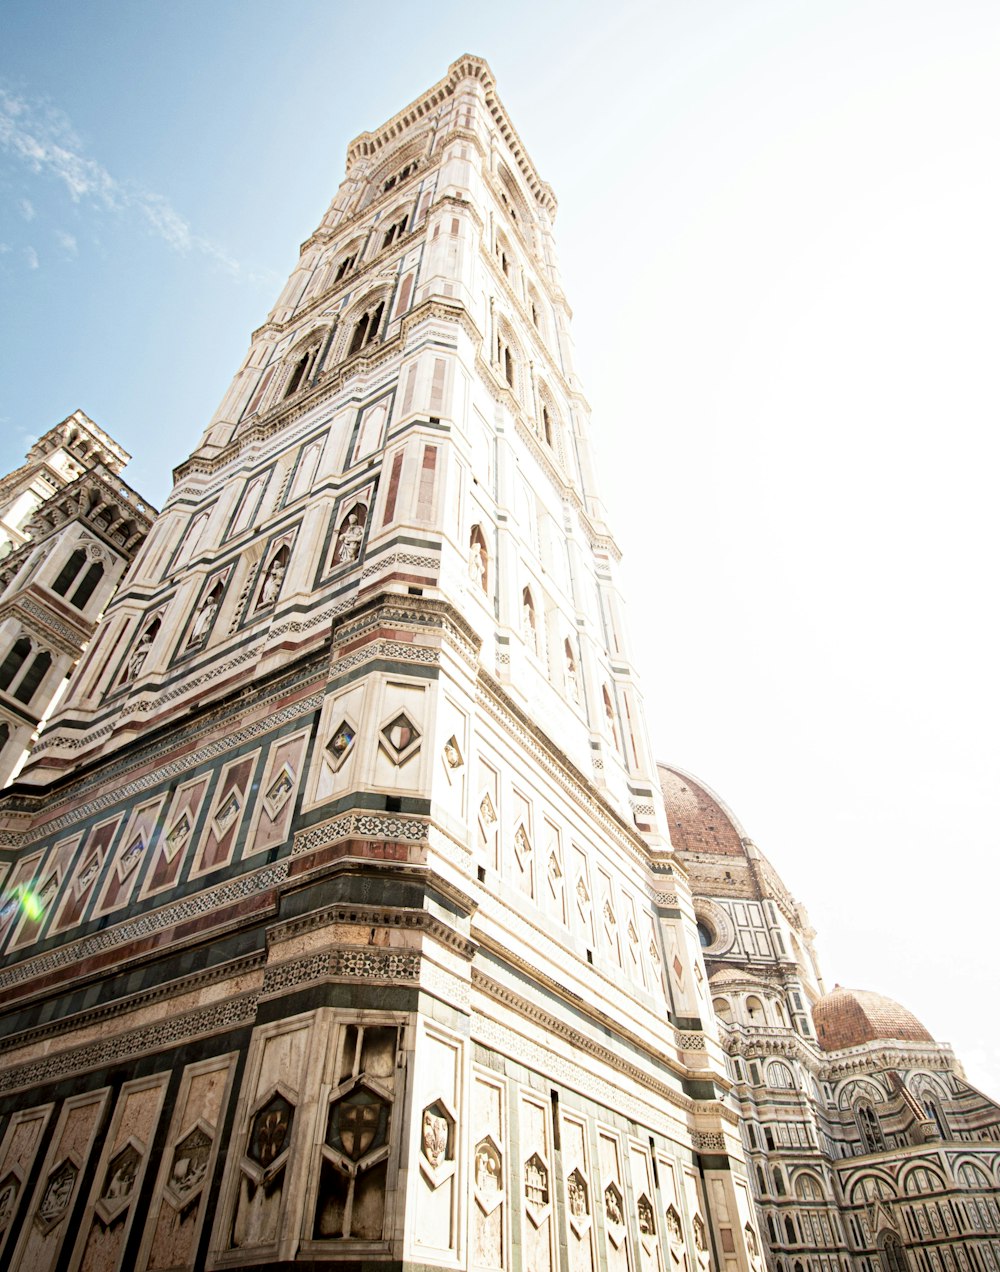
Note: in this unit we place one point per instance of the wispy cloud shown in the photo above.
(66, 241)
(42, 138)
(31, 258)
(27, 210)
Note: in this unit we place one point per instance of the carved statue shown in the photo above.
(349, 542)
(435, 1137)
(139, 654)
(272, 582)
(204, 619)
(477, 564)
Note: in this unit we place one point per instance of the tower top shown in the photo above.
(468, 66)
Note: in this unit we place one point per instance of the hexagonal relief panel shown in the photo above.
(57, 1195)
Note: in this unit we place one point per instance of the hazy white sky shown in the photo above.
(778, 231)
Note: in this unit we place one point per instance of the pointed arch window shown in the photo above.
(67, 575)
(870, 1127)
(87, 585)
(302, 370)
(17, 656)
(366, 328)
(345, 267)
(505, 361)
(397, 178)
(779, 1182)
(394, 232)
(32, 678)
(891, 1252)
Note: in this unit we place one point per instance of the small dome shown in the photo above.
(698, 820)
(849, 1017)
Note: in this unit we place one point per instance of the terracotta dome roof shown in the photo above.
(849, 1017)
(698, 820)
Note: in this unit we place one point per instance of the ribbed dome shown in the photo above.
(849, 1017)
(698, 820)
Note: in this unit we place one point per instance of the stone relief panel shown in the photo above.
(266, 1133)
(117, 1179)
(135, 848)
(647, 1220)
(275, 801)
(553, 890)
(673, 1242)
(359, 1131)
(227, 814)
(610, 938)
(537, 1224)
(17, 1154)
(177, 836)
(583, 907)
(44, 1230)
(81, 884)
(489, 1235)
(38, 908)
(177, 1211)
(488, 814)
(633, 945)
(616, 1244)
(435, 1190)
(402, 722)
(339, 763)
(520, 864)
(579, 1192)
(19, 881)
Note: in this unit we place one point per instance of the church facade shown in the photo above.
(347, 918)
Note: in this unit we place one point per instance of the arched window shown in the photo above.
(345, 266)
(808, 1188)
(772, 1232)
(769, 1139)
(722, 1007)
(67, 575)
(394, 232)
(790, 1234)
(505, 360)
(891, 1250)
(32, 678)
(15, 660)
(934, 1114)
(780, 1076)
(870, 1127)
(87, 585)
(755, 1010)
(779, 1181)
(761, 1181)
(301, 371)
(366, 328)
(4, 734)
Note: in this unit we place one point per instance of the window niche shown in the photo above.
(479, 559)
(366, 329)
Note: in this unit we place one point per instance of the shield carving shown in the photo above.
(358, 1123)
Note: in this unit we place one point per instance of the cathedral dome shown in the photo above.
(849, 1017)
(698, 820)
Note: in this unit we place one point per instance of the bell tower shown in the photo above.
(355, 781)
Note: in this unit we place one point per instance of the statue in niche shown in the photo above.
(477, 562)
(204, 619)
(572, 682)
(528, 630)
(272, 582)
(349, 540)
(140, 652)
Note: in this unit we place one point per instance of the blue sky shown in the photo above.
(778, 231)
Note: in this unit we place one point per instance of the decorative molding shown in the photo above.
(350, 963)
(230, 1013)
